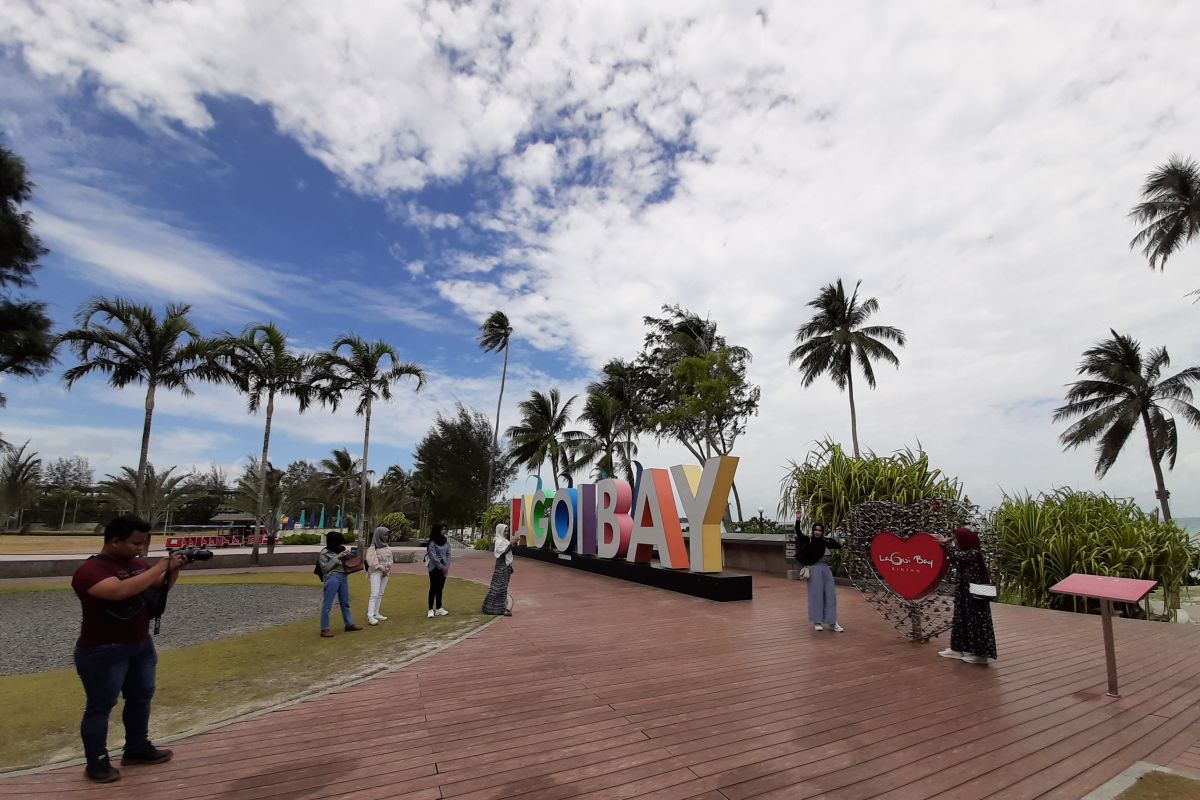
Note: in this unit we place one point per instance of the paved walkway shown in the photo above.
(601, 689)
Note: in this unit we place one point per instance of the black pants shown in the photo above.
(437, 582)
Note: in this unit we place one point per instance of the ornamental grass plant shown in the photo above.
(1045, 538)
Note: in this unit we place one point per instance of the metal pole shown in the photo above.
(1110, 652)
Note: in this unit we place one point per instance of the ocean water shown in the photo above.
(1191, 525)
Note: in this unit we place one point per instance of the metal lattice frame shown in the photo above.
(917, 620)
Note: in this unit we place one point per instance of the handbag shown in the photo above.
(353, 564)
(982, 591)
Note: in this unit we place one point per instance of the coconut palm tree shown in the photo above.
(130, 344)
(1169, 212)
(496, 334)
(366, 370)
(260, 364)
(339, 474)
(834, 339)
(1123, 389)
(542, 433)
(256, 489)
(610, 443)
(155, 495)
(20, 473)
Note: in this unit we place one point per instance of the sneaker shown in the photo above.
(430, 614)
(326, 633)
(381, 617)
(372, 621)
(818, 628)
(948, 653)
(971, 658)
(838, 628)
(352, 628)
(441, 612)
(145, 754)
(101, 770)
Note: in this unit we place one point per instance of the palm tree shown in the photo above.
(496, 334)
(542, 433)
(155, 495)
(259, 363)
(339, 474)
(256, 489)
(1169, 211)
(610, 443)
(166, 353)
(20, 473)
(620, 382)
(367, 370)
(1122, 390)
(835, 338)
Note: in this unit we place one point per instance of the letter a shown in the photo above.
(656, 523)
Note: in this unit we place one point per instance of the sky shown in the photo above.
(399, 170)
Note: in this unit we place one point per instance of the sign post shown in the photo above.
(1106, 590)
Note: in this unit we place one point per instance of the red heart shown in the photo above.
(913, 567)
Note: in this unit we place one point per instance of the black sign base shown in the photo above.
(722, 587)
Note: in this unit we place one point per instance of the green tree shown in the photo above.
(542, 433)
(367, 371)
(1123, 390)
(835, 339)
(257, 490)
(155, 495)
(609, 443)
(20, 474)
(131, 345)
(339, 474)
(261, 365)
(496, 334)
(1169, 212)
(26, 343)
(620, 380)
(453, 460)
(210, 493)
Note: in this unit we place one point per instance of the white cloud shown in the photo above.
(971, 164)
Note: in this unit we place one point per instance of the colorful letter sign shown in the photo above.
(601, 520)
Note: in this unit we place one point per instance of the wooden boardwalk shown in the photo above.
(601, 689)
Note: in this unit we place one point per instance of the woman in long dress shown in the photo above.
(822, 598)
(495, 602)
(972, 637)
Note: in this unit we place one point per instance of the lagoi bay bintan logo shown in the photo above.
(612, 519)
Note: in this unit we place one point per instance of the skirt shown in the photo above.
(495, 602)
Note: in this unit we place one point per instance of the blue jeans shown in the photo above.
(336, 585)
(109, 671)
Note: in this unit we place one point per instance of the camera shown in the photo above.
(191, 554)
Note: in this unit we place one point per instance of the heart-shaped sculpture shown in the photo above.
(918, 606)
(913, 567)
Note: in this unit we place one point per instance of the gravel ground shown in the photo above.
(40, 628)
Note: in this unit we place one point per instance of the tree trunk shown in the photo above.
(496, 434)
(362, 506)
(737, 499)
(1155, 458)
(262, 476)
(63, 525)
(140, 485)
(853, 413)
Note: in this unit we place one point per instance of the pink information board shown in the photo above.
(1122, 590)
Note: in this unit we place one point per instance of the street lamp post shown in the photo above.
(760, 520)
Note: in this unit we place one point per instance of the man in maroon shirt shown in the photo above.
(115, 654)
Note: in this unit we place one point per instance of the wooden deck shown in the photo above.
(601, 689)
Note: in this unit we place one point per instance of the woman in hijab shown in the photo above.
(813, 552)
(379, 567)
(972, 637)
(332, 563)
(496, 600)
(437, 561)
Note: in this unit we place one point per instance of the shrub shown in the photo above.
(302, 538)
(1044, 539)
(497, 514)
(400, 526)
(485, 542)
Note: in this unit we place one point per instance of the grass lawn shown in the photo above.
(1162, 786)
(215, 681)
(12, 544)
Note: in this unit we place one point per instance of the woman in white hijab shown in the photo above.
(379, 567)
(496, 601)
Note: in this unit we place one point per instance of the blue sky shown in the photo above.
(400, 170)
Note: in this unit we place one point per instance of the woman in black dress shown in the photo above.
(972, 637)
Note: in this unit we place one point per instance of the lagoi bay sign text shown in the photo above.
(611, 519)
